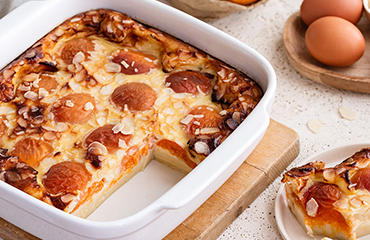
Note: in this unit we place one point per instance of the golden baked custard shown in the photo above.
(95, 100)
(333, 201)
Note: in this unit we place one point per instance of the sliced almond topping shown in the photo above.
(97, 148)
(311, 207)
(78, 58)
(187, 119)
(209, 130)
(21, 122)
(23, 110)
(222, 73)
(31, 77)
(122, 144)
(341, 204)
(69, 103)
(80, 75)
(314, 125)
(62, 127)
(347, 113)
(113, 67)
(49, 136)
(31, 95)
(49, 128)
(88, 106)
(236, 116)
(2, 176)
(223, 112)
(59, 32)
(126, 126)
(43, 93)
(329, 175)
(356, 203)
(178, 105)
(24, 88)
(125, 64)
(67, 198)
(161, 99)
(201, 147)
(8, 73)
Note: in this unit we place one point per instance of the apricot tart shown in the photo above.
(334, 201)
(95, 100)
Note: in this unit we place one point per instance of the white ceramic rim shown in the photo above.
(256, 123)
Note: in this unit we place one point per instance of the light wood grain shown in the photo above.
(277, 149)
(353, 78)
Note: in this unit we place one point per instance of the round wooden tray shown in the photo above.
(353, 78)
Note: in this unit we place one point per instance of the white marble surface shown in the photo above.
(298, 100)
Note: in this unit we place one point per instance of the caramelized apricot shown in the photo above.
(71, 48)
(189, 82)
(31, 151)
(48, 83)
(76, 108)
(133, 62)
(137, 97)
(362, 178)
(107, 137)
(324, 194)
(66, 177)
(201, 117)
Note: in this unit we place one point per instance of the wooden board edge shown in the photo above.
(237, 205)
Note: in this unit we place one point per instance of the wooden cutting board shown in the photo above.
(277, 149)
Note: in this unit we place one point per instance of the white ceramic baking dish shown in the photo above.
(162, 213)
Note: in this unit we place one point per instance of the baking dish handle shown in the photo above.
(183, 193)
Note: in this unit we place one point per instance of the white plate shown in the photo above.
(288, 226)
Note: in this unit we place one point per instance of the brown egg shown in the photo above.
(136, 96)
(31, 151)
(312, 10)
(74, 108)
(66, 177)
(335, 41)
(106, 136)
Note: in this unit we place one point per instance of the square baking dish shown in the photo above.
(167, 206)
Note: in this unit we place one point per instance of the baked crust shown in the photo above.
(332, 202)
(89, 105)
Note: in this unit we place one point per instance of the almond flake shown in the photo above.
(125, 64)
(347, 113)
(187, 119)
(88, 106)
(31, 95)
(314, 125)
(69, 103)
(311, 207)
(113, 67)
(209, 130)
(201, 147)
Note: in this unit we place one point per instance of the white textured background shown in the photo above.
(298, 100)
